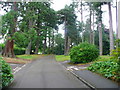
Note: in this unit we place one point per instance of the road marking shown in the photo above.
(76, 68)
(24, 65)
(18, 68)
(81, 68)
(72, 68)
(15, 68)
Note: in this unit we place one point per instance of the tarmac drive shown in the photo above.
(45, 73)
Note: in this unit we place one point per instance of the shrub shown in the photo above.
(116, 58)
(108, 69)
(83, 53)
(7, 76)
(116, 53)
(17, 50)
(2, 45)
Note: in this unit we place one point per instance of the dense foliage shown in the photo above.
(17, 50)
(36, 23)
(7, 76)
(116, 53)
(105, 39)
(59, 47)
(83, 53)
(108, 69)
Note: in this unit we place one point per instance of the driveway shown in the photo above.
(45, 73)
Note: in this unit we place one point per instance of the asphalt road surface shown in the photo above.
(45, 73)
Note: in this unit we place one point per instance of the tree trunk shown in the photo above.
(66, 40)
(100, 33)
(100, 38)
(52, 43)
(82, 22)
(93, 30)
(110, 28)
(37, 46)
(28, 49)
(37, 41)
(65, 45)
(1, 50)
(90, 25)
(68, 46)
(49, 41)
(8, 50)
(118, 21)
(45, 45)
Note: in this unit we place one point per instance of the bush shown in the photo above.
(17, 50)
(116, 58)
(83, 53)
(108, 69)
(7, 76)
(2, 45)
(116, 53)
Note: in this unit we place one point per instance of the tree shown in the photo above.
(39, 24)
(46, 23)
(90, 23)
(68, 17)
(59, 44)
(97, 7)
(79, 7)
(10, 21)
(78, 4)
(111, 28)
(105, 39)
(118, 21)
(86, 33)
(93, 38)
(31, 17)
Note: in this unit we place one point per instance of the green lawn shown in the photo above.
(103, 58)
(100, 58)
(30, 57)
(62, 58)
(22, 59)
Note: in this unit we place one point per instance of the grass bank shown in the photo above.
(103, 58)
(22, 59)
(65, 58)
(62, 58)
(28, 57)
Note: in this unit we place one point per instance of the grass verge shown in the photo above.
(103, 58)
(15, 60)
(22, 59)
(28, 57)
(62, 58)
